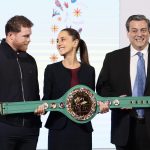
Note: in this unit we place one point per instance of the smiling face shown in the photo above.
(65, 44)
(138, 34)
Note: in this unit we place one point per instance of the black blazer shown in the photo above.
(114, 80)
(57, 81)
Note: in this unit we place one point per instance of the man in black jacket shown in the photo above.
(18, 82)
(118, 76)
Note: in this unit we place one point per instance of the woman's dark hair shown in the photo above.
(15, 23)
(81, 46)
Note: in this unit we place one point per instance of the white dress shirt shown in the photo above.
(133, 62)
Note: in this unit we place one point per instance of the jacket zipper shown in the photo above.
(22, 88)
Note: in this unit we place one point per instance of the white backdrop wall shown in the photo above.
(99, 22)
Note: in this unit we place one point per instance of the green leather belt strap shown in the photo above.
(79, 104)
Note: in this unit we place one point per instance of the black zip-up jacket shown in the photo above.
(18, 82)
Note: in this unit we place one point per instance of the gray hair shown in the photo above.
(137, 18)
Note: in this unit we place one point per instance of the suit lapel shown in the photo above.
(127, 69)
(148, 71)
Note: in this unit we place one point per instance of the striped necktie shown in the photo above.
(139, 84)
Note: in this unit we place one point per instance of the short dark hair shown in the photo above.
(137, 18)
(15, 23)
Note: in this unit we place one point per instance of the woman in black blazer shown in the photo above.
(59, 77)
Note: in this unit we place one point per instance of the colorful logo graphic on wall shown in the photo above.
(64, 14)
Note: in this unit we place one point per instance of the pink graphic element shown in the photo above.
(66, 4)
(58, 4)
(77, 12)
(65, 13)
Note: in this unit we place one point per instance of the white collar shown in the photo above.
(133, 51)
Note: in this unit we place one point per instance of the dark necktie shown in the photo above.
(139, 84)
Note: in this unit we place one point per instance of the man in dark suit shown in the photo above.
(117, 77)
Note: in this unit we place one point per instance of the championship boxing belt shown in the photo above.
(79, 104)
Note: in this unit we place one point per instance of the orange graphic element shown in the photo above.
(54, 28)
(53, 58)
(52, 41)
(77, 12)
(59, 18)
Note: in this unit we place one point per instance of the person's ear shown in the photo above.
(76, 42)
(10, 35)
